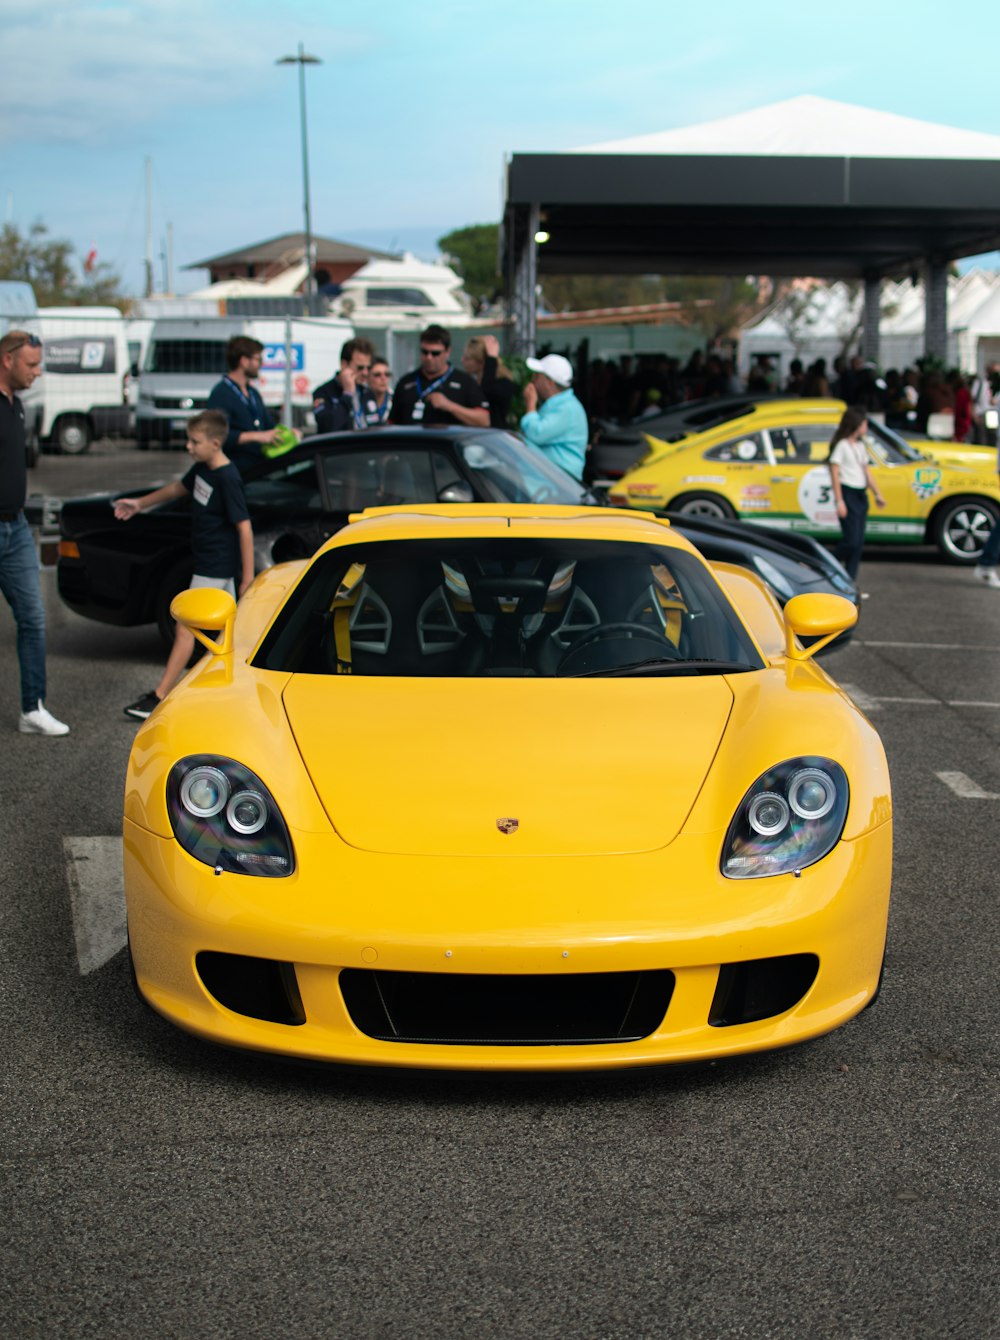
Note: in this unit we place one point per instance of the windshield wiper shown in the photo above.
(669, 665)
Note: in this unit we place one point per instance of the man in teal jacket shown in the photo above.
(555, 421)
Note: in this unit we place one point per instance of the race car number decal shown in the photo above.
(816, 498)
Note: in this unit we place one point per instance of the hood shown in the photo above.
(429, 766)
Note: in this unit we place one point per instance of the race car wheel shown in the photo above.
(72, 435)
(177, 578)
(960, 527)
(703, 504)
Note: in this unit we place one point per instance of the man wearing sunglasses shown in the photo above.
(438, 393)
(337, 403)
(20, 364)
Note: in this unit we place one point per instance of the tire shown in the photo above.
(960, 526)
(177, 578)
(72, 435)
(703, 504)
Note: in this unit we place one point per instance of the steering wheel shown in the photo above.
(617, 632)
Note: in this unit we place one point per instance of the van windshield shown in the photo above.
(206, 357)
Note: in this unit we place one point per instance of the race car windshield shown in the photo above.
(505, 607)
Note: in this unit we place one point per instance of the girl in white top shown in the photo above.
(852, 478)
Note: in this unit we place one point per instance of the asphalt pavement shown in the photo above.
(156, 1186)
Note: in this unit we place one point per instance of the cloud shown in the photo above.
(78, 74)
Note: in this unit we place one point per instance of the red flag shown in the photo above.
(91, 259)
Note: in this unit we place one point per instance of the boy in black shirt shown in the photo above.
(221, 535)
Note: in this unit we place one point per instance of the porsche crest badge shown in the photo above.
(507, 826)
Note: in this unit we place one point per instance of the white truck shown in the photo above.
(186, 356)
(83, 393)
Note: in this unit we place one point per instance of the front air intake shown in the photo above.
(528, 1010)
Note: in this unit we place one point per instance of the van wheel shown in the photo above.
(72, 435)
(178, 578)
(703, 504)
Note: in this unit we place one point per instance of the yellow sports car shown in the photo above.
(769, 465)
(507, 787)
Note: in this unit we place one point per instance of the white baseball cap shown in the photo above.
(555, 366)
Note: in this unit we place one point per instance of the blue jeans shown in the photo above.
(853, 529)
(20, 584)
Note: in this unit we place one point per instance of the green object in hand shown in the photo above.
(284, 441)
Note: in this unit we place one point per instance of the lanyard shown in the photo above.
(247, 400)
(422, 394)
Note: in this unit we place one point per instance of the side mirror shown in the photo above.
(457, 493)
(819, 616)
(207, 610)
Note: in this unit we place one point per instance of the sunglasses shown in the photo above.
(431, 353)
(32, 341)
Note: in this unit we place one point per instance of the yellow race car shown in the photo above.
(507, 787)
(768, 464)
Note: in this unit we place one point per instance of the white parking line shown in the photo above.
(965, 787)
(97, 898)
(870, 703)
(928, 646)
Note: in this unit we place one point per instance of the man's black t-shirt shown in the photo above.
(245, 412)
(217, 504)
(333, 407)
(457, 385)
(13, 464)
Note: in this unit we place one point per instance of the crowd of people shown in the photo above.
(637, 387)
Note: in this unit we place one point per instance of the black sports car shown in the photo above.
(127, 572)
(616, 447)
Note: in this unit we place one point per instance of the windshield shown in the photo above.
(888, 448)
(512, 471)
(507, 607)
(205, 357)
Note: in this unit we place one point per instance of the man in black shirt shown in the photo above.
(337, 403)
(437, 392)
(20, 364)
(251, 423)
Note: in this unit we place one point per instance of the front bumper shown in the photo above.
(498, 923)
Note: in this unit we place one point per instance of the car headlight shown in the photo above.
(224, 816)
(791, 817)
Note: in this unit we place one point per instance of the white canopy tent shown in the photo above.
(807, 186)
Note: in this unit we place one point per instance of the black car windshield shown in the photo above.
(509, 470)
(506, 607)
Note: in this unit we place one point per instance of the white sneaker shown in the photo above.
(989, 577)
(41, 722)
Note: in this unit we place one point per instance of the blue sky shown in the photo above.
(414, 107)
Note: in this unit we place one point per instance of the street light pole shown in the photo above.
(302, 60)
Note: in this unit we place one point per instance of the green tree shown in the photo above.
(473, 251)
(50, 267)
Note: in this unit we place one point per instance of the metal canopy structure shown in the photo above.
(806, 187)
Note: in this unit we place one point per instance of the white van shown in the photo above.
(83, 393)
(186, 356)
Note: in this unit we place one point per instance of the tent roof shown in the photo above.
(812, 127)
(802, 187)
